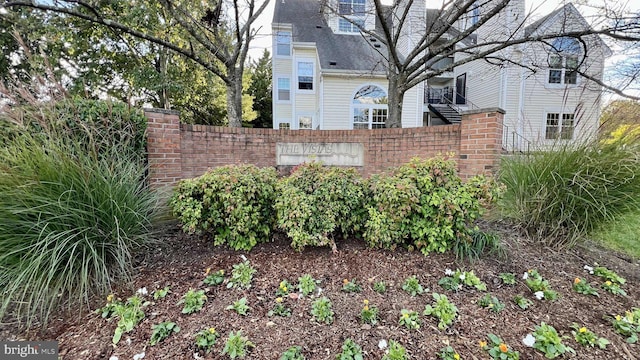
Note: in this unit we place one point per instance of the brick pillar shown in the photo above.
(480, 141)
(163, 147)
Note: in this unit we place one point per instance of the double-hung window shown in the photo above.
(563, 61)
(352, 14)
(284, 89)
(560, 126)
(283, 43)
(305, 75)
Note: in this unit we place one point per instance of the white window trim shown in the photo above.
(352, 18)
(563, 70)
(314, 83)
(353, 106)
(277, 98)
(306, 114)
(560, 113)
(275, 44)
(276, 124)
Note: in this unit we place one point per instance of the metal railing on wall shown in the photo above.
(513, 142)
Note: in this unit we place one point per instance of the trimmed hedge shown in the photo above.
(315, 203)
(423, 205)
(233, 203)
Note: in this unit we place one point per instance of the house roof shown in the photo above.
(561, 14)
(335, 51)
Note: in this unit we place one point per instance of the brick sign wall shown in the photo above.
(178, 151)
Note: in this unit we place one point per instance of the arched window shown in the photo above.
(369, 108)
(564, 61)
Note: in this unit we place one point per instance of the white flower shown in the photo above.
(462, 277)
(448, 272)
(142, 291)
(382, 344)
(589, 269)
(525, 276)
(113, 357)
(244, 258)
(138, 356)
(529, 340)
(539, 295)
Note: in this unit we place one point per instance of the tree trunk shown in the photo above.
(234, 98)
(396, 96)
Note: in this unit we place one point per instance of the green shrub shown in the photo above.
(425, 205)
(315, 202)
(233, 203)
(69, 223)
(560, 195)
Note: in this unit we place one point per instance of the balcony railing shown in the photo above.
(438, 95)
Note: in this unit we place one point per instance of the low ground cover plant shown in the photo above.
(448, 353)
(549, 342)
(498, 349)
(539, 286)
(307, 284)
(412, 286)
(455, 280)
(279, 309)
(215, 278)
(351, 286)
(241, 275)
(128, 313)
(193, 301)
(395, 352)
(350, 351)
(491, 303)
(628, 325)
(232, 203)
(321, 310)
(369, 314)
(162, 331)
(586, 337)
(206, 339)
(409, 319)
(240, 306)
(237, 345)
(442, 309)
(293, 353)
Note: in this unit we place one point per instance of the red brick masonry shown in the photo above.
(179, 151)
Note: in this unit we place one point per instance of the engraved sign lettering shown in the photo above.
(338, 154)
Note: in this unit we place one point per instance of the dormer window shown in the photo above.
(352, 13)
(563, 62)
(351, 7)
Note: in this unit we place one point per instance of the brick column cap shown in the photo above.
(161, 111)
(483, 110)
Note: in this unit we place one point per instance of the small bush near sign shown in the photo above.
(425, 205)
(315, 202)
(233, 203)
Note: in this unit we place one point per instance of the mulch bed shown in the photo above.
(181, 262)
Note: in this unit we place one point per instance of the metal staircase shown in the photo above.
(446, 113)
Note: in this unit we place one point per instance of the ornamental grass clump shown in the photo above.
(425, 205)
(316, 203)
(561, 194)
(70, 223)
(233, 203)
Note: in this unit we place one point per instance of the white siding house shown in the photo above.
(327, 75)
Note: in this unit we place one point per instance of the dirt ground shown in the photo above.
(182, 260)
